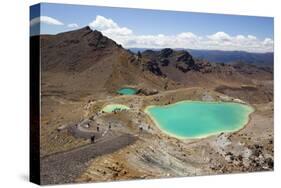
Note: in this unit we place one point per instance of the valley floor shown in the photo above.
(128, 145)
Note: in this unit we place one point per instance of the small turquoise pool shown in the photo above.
(196, 119)
(127, 91)
(114, 107)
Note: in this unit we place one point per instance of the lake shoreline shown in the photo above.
(203, 136)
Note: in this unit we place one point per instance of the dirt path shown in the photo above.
(65, 167)
(79, 132)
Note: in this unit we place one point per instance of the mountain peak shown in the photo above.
(166, 52)
(85, 31)
(96, 32)
(86, 28)
(83, 42)
(80, 30)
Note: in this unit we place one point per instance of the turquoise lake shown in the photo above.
(127, 91)
(196, 119)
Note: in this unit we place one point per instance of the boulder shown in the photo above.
(147, 92)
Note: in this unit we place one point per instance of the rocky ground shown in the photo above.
(66, 166)
(152, 154)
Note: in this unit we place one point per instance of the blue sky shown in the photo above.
(147, 26)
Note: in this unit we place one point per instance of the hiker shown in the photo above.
(93, 139)
(98, 128)
(109, 126)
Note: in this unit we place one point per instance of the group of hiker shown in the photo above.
(98, 129)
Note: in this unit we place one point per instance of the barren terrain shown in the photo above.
(81, 73)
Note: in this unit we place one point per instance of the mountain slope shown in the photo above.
(75, 51)
(83, 61)
(179, 66)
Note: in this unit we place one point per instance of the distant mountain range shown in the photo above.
(228, 57)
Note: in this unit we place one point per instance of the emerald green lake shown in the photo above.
(114, 107)
(196, 119)
(127, 91)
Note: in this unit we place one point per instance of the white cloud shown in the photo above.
(220, 36)
(109, 27)
(102, 23)
(73, 25)
(216, 41)
(45, 20)
(240, 42)
(187, 35)
(251, 37)
(268, 42)
(240, 37)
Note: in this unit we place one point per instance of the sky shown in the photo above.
(142, 28)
